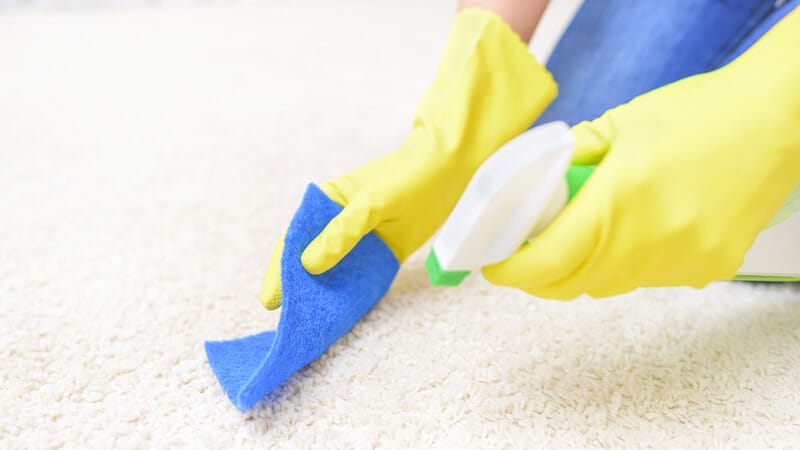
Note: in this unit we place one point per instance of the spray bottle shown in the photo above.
(512, 197)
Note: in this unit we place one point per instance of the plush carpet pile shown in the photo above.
(149, 159)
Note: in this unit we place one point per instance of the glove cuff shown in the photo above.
(488, 89)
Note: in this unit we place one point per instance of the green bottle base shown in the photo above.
(767, 278)
(441, 277)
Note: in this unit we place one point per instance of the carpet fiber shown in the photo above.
(150, 158)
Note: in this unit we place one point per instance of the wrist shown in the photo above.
(521, 15)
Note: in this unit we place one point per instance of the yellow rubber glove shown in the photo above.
(488, 89)
(688, 176)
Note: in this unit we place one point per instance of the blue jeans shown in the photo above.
(615, 50)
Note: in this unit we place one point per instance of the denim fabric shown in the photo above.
(615, 50)
(762, 29)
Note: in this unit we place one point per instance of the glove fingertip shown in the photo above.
(325, 252)
(336, 240)
(270, 301)
(314, 257)
(270, 293)
(496, 273)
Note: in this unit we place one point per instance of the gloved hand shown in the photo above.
(488, 89)
(688, 176)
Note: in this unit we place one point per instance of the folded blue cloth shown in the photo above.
(315, 310)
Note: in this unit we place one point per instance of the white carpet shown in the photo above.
(148, 161)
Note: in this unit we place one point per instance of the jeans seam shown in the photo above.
(751, 26)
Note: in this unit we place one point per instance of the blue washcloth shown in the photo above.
(316, 310)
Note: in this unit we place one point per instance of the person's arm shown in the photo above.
(522, 15)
